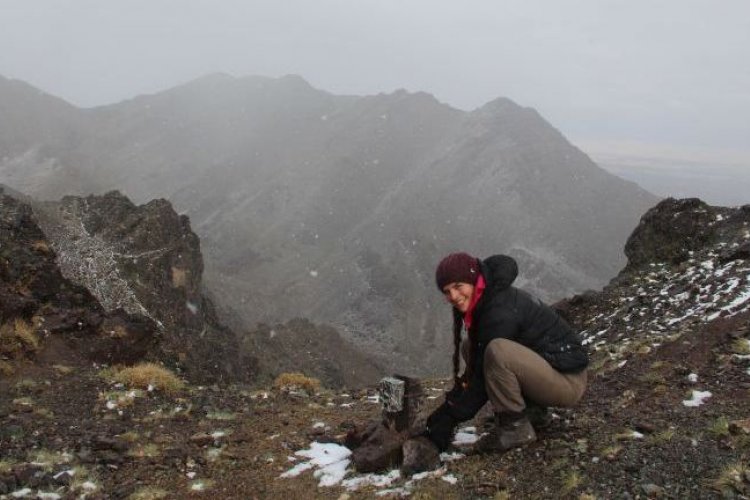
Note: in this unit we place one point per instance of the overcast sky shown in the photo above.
(645, 73)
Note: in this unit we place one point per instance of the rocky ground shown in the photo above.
(69, 433)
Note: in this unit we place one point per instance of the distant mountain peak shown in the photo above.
(500, 104)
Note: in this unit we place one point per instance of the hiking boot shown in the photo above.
(539, 416)
(511, 431)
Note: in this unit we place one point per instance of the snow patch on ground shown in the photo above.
(697, 398)
(377, 480)
(466, 436)
(329, 459)
(330, 462)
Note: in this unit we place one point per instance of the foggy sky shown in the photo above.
(665, 74)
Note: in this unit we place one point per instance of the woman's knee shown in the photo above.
(499, 352)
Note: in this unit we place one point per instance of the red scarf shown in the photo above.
(478, 290)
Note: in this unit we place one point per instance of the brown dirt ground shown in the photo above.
(586, 451)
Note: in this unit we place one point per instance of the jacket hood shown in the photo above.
(500, 271)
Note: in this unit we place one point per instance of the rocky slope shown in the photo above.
(667, 413)
(342, 205)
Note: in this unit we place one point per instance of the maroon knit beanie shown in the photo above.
(457, 268)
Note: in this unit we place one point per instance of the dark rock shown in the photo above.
(159, 267)
(110, 457)
(420, 454)
(28, 475)
(740, 252)
(201, 439)
(645, 427)
(107, 443)
(8, 481)
(63, 478)
(381, 450)
(669, 231)
(358, 435)
(47, 480)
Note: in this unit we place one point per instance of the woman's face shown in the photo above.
(459, 295)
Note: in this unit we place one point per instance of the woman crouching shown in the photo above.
(518, 352)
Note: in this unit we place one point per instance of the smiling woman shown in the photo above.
(519, 354)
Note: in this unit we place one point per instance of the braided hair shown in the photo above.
(458, 321)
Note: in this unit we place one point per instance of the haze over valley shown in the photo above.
(336, 208)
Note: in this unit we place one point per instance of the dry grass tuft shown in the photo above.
(741, 346)
(611, 452)
(62, 369)
(6, 369)
(40, 246)
(143, 375)
(291, 381)
(26, 385)
(25, 333)
(201, 485)
(662, 437)
(570, 482)
(44, 413)
(48, 459)
(6, 466)
(733, 478)
(129, 437)
(179, 277)
(17, 339)
(719, 427)
(148, 493)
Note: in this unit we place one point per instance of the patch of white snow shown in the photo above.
(450, 457)
(697, 398)
(450, 478)
(330, 459)
(377, 480)
(42, 495)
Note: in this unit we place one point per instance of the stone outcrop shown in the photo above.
(129, 275)
(37, 300)
(688, 265)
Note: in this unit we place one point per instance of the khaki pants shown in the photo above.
(514, 374)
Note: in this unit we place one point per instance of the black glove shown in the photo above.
(440, 426)
(456, 392)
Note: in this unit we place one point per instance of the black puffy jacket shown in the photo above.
(504, 311)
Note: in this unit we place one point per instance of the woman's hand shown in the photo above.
(440, 426)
